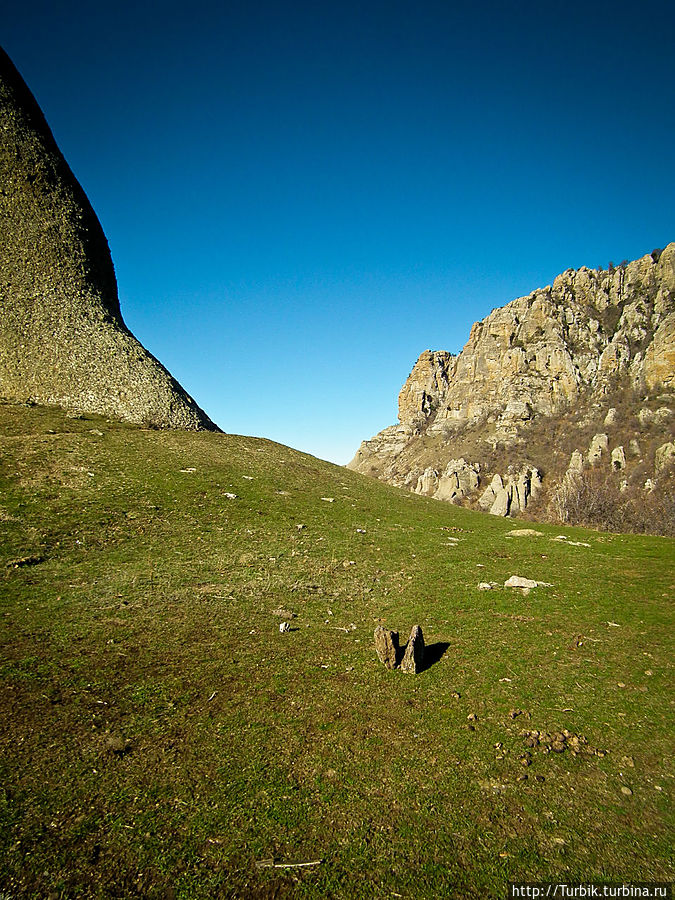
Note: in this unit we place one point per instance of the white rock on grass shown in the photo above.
(563, 539)
(517, 581)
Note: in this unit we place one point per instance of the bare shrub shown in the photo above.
(594, 498)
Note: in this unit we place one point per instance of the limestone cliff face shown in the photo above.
(62, 337)
(570, 346)
(540, 352)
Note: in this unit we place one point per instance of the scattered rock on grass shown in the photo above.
(524, 532)
(560, 742)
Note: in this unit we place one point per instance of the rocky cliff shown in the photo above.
(586, 364)
(62, 336)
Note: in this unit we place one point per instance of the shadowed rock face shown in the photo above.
(62, 336)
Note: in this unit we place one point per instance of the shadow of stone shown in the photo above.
(433, 653)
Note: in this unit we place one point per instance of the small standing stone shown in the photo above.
(386, 645)
(284, 627)
(414, 652)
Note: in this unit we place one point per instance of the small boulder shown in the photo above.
(516, 581)
(599, 445)
(618, 459)
(665, 457)
(284, 613)
(386, 645)
(413, 657)
(118, 744)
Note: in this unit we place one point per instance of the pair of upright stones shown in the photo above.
(389, 653)
(62, 336)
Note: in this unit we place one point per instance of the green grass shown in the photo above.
(160, 736)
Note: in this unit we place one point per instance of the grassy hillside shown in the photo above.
(161, 736)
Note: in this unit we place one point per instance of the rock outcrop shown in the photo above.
(539, 353)
(571, 367)
(62, 336)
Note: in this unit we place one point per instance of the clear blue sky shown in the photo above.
(300, 197)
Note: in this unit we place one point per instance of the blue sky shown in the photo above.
(301, 197)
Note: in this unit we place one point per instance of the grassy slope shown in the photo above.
(143, 613)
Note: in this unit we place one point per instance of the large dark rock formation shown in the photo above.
(62, 336)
